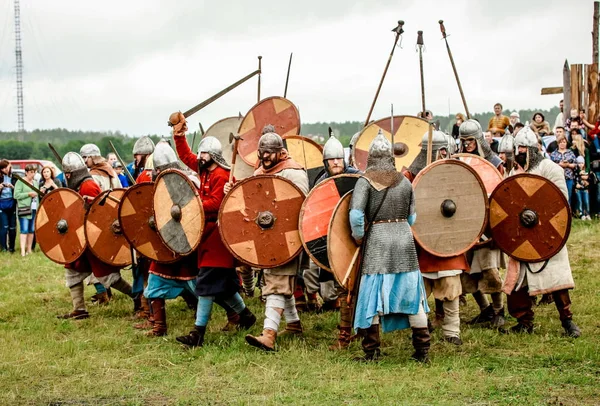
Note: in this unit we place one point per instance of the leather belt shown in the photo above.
(390, 221)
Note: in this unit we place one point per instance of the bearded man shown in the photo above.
(553, 276)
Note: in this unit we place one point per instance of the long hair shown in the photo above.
(578, 142)
(4, 163)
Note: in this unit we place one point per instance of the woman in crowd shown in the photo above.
(48, 182)
(539, 125)
(566, 159)
(460, 118)
(8, 216)
(27, 202)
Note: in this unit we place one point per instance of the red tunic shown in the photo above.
(88, 261)
(145, 176)
(211, 251)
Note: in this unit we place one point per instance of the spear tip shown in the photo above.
(441, 21)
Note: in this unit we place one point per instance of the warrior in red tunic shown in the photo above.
(217, 279)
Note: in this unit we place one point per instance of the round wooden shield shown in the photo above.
(59, 226)
(307, 153)
(277, 111)
(178, 211)
(316, 213)
(529, 217)
(258, 221)
(221, 130)
(139, 227)
(452, 207)
(103, 231)
(408, 132)
(489, 174)
(342, 251)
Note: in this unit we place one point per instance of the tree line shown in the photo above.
(34, 144)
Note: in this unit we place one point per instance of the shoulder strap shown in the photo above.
(379, 206)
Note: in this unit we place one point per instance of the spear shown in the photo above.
(420, 45)
(462, 95)
(287, 78)
(259, 75)
(398, 30)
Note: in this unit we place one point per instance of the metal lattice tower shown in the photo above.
(19, 68)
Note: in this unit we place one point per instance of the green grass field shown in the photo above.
(103, 360)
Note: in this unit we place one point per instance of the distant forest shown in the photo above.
(34, 144)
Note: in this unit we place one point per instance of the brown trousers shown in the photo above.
(520, 305)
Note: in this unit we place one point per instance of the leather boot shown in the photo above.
(521, 308)
(144, 310)
(149, 322)
(101, 299)
(344, 338)
(195, 338)
(75, 315)
(246, 319)
(421, 342)
(370, 343)
(292, 329)
(300, 299)
(266, 341)
(571, 328)
(498, 320)
(137, 304)
(159, 327)
(233, 320)
(485, 316)
(332, 305)
(312, 303)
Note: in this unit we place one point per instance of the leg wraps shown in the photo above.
(497, 302)
(345, 313)
(481, 300)
(77, 296)
(418, 320)
(247, 275)
(289, 310)
(204, 310)
(236, 303)
(122, 286)
(451, 323)
(563, 304)
(273, 311)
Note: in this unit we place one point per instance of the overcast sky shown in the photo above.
(126, 65)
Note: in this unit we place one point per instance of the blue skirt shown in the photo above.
(391, 296)
(163, 288)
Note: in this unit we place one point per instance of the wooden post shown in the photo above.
(566, 90)
(575, 87)
(595, 32)
(592, 91)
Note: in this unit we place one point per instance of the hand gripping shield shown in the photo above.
(139, 227)
(103, 230)
(59, 226)
(258, 221)
(408, 131)
(277, 111)
(178, 211)
(316, 214)
(529, 217)
(452, 207)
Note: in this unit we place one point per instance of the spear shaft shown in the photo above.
(460, 89)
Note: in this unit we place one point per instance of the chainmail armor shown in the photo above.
(77, 178)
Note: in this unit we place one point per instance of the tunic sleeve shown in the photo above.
(358, 206)
(185, 153)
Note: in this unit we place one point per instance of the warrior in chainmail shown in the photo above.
(484, 276)
(100, 169)
(391, 290)
(506, 153)
(80, 180)
(142, 149)
(551, 276)
(441, 276)
(217, 281)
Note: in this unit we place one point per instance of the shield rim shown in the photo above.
(301, 217)
(240, 155)
(353, 151)
(85, 245)
(329, 254)
(128, 191)
(197, 195)
(486, 200)
(488, 163)
(235, 255)
(565, 203)
(96, 199)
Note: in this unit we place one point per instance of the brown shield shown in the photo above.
(452, 207)
(342, 251)
(139, 227)
(103, 230)
(277, 111)
(408, 132)
(178, 211)
(490, 176)
(529, 217)
(259, 221)
(316, 214)
(59, 226)
(221, 130)
(307, 153)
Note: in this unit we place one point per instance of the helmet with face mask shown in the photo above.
(74, 166)
(506, 147)
(532, 157)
